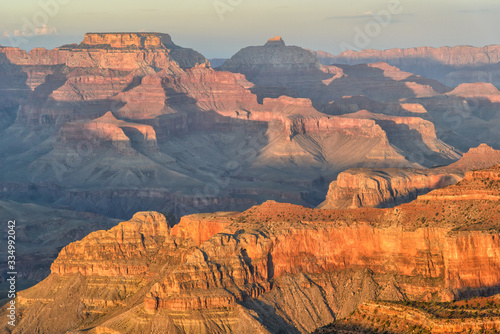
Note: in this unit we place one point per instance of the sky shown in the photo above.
(219, 28)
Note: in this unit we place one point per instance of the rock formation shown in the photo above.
(273, 267)
(357, 188)
(475, 315)
(277, 69)
(128, 40)
(172, 114)
(478, 89)
(275, 53)
(108, 130)
(450, 65)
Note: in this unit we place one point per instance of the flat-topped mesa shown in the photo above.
(275, 41)
(128, 40)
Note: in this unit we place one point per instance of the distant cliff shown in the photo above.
(450, 65)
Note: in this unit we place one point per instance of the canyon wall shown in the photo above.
(355, 188)
(450, 65)
(220, 268)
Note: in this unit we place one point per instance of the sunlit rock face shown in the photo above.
(389, 187)
(274, 266)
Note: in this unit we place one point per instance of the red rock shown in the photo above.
(356, 188)
(269, 254)
(127, 40)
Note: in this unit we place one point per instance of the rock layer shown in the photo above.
(450, 65)
(357, 188)
(228, 270)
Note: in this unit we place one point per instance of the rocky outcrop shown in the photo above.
(410, 134)
(476, 315)
(107, 130)
(481, 157)
(478, 89)
(254, 262)
(488, 180)
(356, 188)
(277, 69)
(124, 250)
(127, 40)
(41, 232)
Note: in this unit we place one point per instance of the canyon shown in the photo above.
(386, 146)
(143, 120)
(272, 267)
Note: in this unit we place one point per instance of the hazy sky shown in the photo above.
(219, 28)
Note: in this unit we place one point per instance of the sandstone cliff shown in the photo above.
(273, 267)
(357, 188)
(476, 315)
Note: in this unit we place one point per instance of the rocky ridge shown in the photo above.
(450, 65)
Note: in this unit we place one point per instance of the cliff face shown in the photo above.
(454, 56)
(41, 233)
(475, 315)
(357, 188)
(221, 272)
(450, 65)
(131, 40)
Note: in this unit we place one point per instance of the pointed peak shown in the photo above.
(275, 41)
(108, 116)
